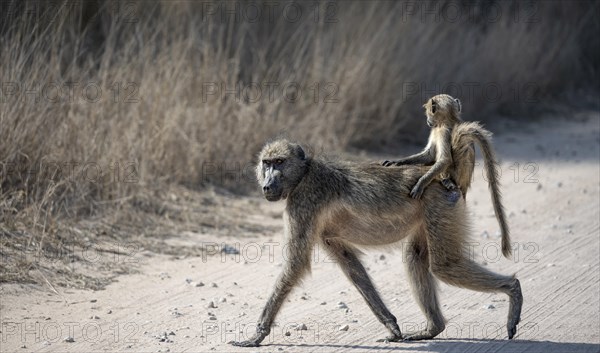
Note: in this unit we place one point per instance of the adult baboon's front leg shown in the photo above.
(424, 288)
(354, 270)
(296, 265)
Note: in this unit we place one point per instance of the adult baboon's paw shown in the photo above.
(514, 310)
(394, 338)
(419, 335)
(249, 343)
(512, 331)
(387, 163)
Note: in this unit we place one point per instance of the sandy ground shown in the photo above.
(551, 186)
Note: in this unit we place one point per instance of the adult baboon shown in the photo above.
(343, 206)
(451, 153)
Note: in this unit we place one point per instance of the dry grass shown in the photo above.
(71, 156)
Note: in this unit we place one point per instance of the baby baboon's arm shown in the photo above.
(426, 157)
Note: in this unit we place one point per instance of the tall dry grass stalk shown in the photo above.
(158, 63)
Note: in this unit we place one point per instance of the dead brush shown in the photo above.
(121, 105)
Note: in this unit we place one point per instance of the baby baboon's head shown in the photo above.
(442, 109)
(281, 166)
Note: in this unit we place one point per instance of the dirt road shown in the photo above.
(551, 186)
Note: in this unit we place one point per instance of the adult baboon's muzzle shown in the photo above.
(271, 187)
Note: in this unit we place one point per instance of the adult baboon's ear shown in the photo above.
(459, 105)
(433, 105)
(298, 151)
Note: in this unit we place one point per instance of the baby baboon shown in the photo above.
(451, 152)
(343, 206)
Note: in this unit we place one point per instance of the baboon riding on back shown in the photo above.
(450, 152)
(344, 206)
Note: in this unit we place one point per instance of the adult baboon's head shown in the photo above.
(281, 166)
(442, 109)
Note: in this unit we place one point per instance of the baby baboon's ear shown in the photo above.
(458, 104)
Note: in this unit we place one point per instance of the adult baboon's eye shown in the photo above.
(279, 161)
(266, 162)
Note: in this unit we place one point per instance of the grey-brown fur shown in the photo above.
(344, 206)
(451, 153)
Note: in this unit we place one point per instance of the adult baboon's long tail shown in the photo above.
(474, 132)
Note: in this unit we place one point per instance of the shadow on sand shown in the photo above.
(464, 345)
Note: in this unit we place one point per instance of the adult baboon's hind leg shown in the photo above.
(424, 288)
(463, 272)
(346, 257)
